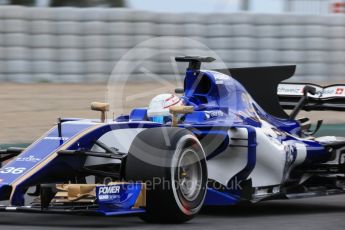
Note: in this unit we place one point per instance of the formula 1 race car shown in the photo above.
(226, 140)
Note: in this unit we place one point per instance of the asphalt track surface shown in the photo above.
(313, 213)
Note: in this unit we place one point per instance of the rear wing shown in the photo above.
(262, 83)
(326, 98)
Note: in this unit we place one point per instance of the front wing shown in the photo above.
(114, 199)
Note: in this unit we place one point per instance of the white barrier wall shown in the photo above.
(80, 45)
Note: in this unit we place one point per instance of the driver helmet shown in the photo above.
(158, 110)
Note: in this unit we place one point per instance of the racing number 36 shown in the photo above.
(12, 170)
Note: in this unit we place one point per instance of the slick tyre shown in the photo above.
(172, 163)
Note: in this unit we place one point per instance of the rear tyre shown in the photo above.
(172, 163)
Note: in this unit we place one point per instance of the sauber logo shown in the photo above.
(109, 190)
(28, 159)
(56, 138)
(339, 91)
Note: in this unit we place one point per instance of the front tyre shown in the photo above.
(172, 163)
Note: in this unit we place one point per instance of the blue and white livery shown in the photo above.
(230, 141)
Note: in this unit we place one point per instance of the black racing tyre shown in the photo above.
(172, 163)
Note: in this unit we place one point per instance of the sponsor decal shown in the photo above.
(28, 159)
(213, 114)
(322, 93)
(110, 189)
(56, 138)
(332, 92)
(109, 193)
(328, 92)
(118, 196)
(339, 91)
(290, 89)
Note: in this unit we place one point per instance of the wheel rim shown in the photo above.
(189, 173)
